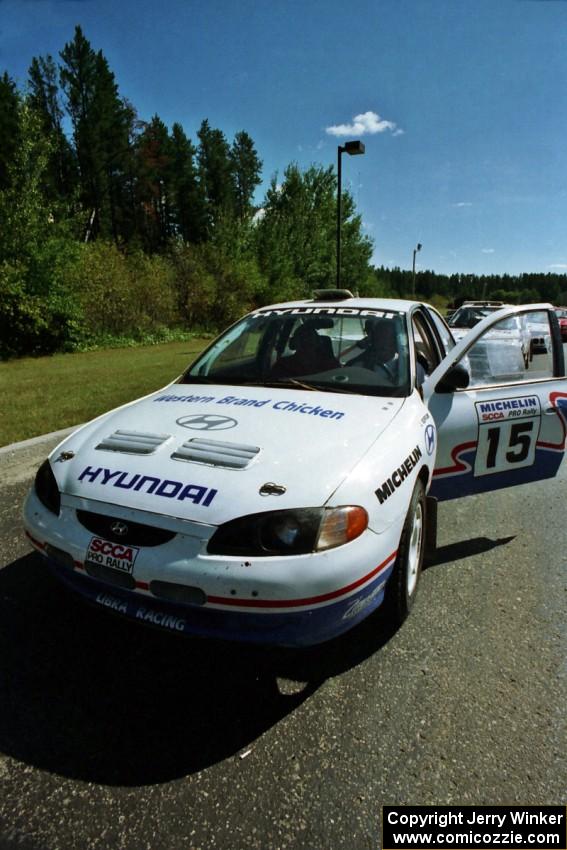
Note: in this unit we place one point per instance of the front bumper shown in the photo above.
(290, 601)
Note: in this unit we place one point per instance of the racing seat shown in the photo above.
(326, 348)
(313, 353)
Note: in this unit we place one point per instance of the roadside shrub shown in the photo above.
(286, 288)
(102, 288)
(152, 281)
(122, 295)
(375, 287)
(22, 317)
(196, 287)
(239, 283)
(32, 323)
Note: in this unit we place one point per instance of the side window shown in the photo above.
(426, 353)
(519, 348)
(442, 329)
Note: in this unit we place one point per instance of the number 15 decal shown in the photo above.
(505, 446)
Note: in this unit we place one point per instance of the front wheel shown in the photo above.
(401, 590)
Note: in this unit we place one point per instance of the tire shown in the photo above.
(401, 589)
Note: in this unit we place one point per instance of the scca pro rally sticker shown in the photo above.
(117, 556)
(508, 429)
(507, 408)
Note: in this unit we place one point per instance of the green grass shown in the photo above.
(43, 394)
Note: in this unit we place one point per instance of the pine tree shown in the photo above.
(9, 127)
(215, 174)
(188, 198)
(102, 130)
(61, 173)
(247, 170)
(155, 158)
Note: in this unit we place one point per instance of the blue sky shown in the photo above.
(461, 105)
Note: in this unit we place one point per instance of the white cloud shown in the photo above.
(487, 250)
(558, 266)
(367, 123)
(462, 204)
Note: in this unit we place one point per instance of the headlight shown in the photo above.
(46, 488)
(293, 532)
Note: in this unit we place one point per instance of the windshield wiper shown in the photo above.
(284, 382)
(273, 382)
(246, 382)
(293, 382)
(290, 382)
(196, 379)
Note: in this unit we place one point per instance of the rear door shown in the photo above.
(508, 426)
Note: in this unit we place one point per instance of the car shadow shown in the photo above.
(465, 548)
(91, 696)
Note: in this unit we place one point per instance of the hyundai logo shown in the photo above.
(120, 529)
(207, 422)
(430, 439)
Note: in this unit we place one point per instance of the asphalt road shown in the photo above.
(116, 736)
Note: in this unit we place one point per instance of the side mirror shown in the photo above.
(457, 378)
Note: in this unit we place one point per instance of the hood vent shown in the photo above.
(133, 442)
(215, 453)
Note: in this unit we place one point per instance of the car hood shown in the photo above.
(459, 333)
(498, 333)
(206, 453)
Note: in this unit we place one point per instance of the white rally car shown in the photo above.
(284, 486)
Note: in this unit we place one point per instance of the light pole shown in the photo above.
(353, 149)
(415, 250)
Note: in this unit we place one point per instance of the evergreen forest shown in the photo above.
(116, 229)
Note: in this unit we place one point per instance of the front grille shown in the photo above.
(136, 535)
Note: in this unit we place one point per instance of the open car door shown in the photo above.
(499, 401)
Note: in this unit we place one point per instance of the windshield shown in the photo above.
(365, 351)
(468, 317)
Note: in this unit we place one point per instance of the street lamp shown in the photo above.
(353, 149)
(415, 250)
